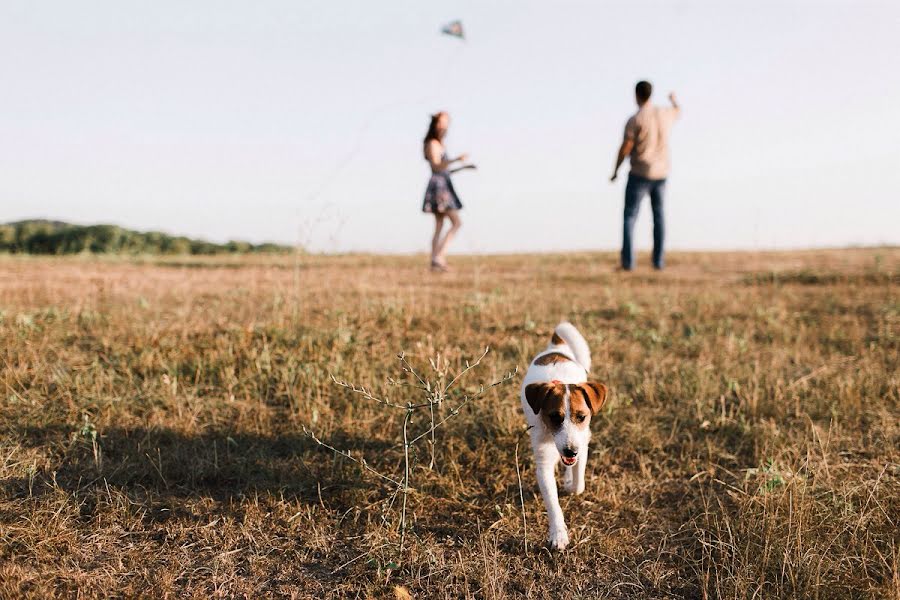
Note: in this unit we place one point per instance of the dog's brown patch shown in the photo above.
(594, 394)
(551, 359)
(548, 400)
(580, 408)
(556, 340)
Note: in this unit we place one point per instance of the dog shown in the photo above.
(558, 402)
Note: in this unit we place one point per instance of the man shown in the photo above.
(647, 143)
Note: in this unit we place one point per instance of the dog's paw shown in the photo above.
(569, 488)
(558, 538)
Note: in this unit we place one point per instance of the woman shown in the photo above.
(440, 197)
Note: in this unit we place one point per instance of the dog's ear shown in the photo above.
(536, 394)
(595, 393)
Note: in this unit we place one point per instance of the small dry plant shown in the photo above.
(434, 396)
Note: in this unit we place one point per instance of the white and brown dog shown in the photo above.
(558, 401)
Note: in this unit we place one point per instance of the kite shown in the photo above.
(455, 29)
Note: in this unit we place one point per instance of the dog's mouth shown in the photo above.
(569, 461)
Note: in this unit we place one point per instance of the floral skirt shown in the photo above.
(440, 197)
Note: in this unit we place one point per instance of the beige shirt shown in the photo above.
(649, 128)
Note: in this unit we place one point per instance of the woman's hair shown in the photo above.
(433, 133)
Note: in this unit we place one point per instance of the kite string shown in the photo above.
(343, 163)
(367, 123)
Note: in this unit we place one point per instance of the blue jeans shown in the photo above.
(635, 190)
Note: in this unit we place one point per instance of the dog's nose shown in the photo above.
(570, 452)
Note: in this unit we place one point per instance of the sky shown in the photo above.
(301, 122)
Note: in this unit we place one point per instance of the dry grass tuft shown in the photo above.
(152, 415)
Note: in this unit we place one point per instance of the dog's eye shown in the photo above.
(580, 418)
(557, 418)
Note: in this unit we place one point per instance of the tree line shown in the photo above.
(55, 237)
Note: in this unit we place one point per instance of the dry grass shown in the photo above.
(151, 422)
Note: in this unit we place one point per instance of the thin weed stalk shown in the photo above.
(435, 395)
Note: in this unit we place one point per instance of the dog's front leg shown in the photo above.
(568, 480)
(545, 463)
(576, 484)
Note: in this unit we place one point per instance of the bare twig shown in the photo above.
(346, 454)
(365, 393)
(467, 369)
(392, 381)
(818, 371)
(405, 479)
(363, 555)
(522, 494)
(431, 410)
(466, 400)
(408, 368)
(435, 395)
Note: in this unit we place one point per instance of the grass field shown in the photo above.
(152, 414)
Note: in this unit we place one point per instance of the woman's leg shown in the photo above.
(456, 223)
(436, 240)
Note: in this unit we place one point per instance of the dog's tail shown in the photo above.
(565, 333)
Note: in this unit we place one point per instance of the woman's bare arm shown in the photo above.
(434, 155)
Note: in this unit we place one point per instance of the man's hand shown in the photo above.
(462, 157)
(624, 150)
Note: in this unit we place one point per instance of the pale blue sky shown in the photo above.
(301, 121)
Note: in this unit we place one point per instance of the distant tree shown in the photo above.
(7, 238)
(55, 237)
(239, 247)
(177, 245)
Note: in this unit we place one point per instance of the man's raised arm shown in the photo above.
(674, 102)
